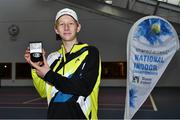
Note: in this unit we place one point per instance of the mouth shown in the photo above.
(67, 33)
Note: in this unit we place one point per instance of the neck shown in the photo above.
(69, 44)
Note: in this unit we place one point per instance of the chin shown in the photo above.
(68, 38)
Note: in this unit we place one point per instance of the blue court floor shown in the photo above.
(25, 103)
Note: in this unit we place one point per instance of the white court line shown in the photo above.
(111, 108)
(15, 103)
(106, 109)
(32, 100)
(23, 107)
(153, 103)
(106, 104)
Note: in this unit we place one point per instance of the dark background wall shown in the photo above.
(35, 19)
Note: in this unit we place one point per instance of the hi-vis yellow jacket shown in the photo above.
(74, 78)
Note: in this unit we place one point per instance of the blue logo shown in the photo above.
(132, 96)
(154, 30)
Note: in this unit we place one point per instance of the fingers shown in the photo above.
(44, 60)
(35, 65)
(27, 55)
(43, 51)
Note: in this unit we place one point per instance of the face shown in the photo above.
(67, 28)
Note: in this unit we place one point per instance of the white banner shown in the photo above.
(152, 42)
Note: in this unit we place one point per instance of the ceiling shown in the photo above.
(169, 9)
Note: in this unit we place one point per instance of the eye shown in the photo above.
(61, 24)
(71, 23)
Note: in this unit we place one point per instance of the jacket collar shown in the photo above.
(75, 48)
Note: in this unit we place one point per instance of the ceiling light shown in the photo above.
(108, 1)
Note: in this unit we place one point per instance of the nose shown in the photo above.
(66, 27)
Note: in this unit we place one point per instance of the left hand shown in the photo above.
(41, 70)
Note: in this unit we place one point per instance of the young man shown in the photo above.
(70, 77)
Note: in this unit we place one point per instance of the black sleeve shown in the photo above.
(82, 81)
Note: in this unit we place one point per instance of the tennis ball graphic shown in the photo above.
(156, 28)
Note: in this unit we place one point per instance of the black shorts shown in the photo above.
(65, 110)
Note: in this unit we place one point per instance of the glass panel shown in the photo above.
(23, 71)
(5, 70)
(114, 70)
(174, 2)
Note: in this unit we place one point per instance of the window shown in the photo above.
(114, 70)
(23, 71)
(5, 70)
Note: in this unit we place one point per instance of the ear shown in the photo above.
(78, 28)
(55, 29)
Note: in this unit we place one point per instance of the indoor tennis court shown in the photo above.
(105, 24)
